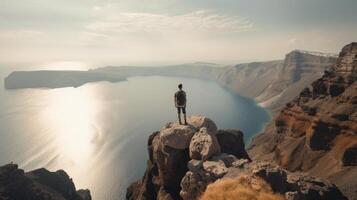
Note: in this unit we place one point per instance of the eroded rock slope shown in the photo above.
(317, 131)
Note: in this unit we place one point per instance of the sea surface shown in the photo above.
(98, 132)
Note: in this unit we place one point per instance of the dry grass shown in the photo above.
(241, 188)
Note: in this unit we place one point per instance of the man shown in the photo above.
(180, 103)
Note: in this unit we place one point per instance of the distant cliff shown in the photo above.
(193, 161)
(317, 131)
(206, 71)
(39, 184)
(55, 79)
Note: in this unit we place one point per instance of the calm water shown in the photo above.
(98, 132)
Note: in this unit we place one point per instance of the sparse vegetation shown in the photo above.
(243, 187)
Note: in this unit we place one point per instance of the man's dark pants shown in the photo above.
(183, 109)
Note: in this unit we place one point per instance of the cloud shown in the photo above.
(200, 22)
(17, 34)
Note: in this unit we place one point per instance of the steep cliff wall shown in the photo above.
(317, 131)
(273, 84)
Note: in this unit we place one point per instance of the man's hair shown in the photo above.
(180, 86)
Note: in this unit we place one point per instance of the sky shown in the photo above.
(145, 32)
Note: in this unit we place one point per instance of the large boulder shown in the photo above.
(178, 136)
(216, 169)
(200, 121)
(203, 145)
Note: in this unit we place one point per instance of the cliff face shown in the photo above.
(207, 71)
(273, 84)
(185, 159)
(39, 184)
(317, 131)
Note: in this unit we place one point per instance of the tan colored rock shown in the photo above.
(226, 158)
(203, 145)
(193, 185)
(241, 163)
(200, 121)
(216, 168)
(347, 61)
(195, 181)
(177, 136)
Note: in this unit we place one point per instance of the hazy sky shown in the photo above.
(171, 31)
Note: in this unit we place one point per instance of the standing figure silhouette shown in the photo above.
(180, 103)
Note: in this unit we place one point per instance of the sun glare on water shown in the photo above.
(70, 114)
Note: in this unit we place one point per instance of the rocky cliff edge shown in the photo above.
(185, 159)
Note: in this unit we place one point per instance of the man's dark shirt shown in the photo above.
(180, 98)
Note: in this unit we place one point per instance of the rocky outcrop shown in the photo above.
(202, 155)
(39, 184)
(291, 185)
(347, 62)
(316, 132)
(175, 149)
